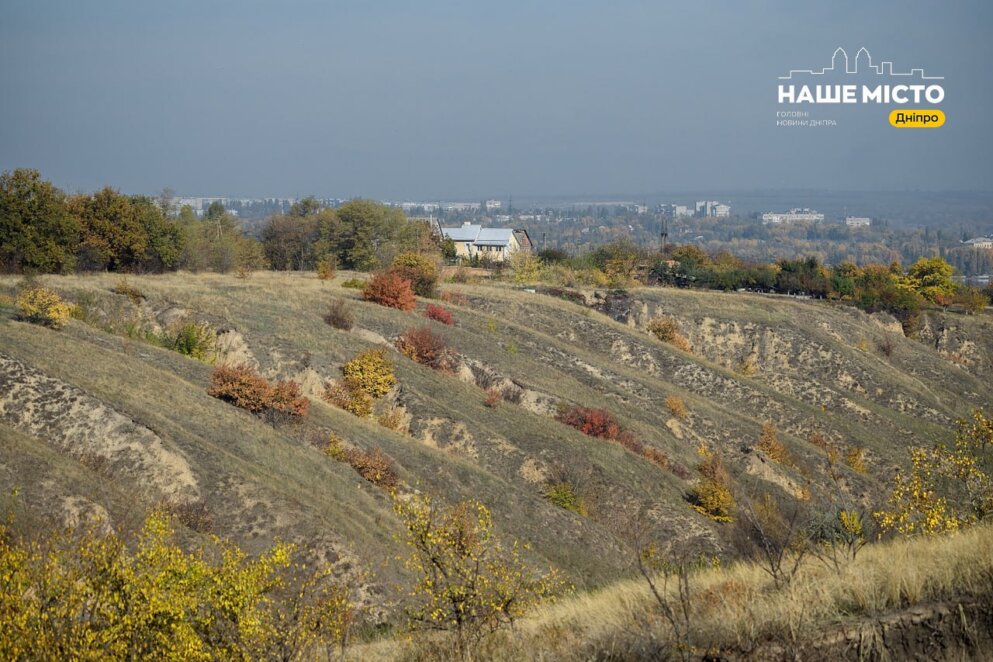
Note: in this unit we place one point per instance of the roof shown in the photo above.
(467, 232)
(978, 240)
(494, 237)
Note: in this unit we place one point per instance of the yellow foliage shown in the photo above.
(770, 444)
(41, 305)
(89, 596)
(371, 371)
(326, 267)
(676, 407)
(466, 581)
(855, 458)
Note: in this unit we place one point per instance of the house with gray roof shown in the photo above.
(474, 241)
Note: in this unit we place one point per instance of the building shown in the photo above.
(474, 241)
(792, 216)
(858, 221)
(712, 208)
(493, 205)
(675, 211)
(979, 242)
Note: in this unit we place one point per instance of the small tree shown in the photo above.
(420, 270)
(466, 582)
(712, 495)
(390, 290)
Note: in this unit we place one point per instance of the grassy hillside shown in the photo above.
(94, 419)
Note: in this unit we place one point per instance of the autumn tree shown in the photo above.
(37, 232)
(467, 582)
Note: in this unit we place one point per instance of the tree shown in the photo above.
(466, 581)
(932, 279)
(288, 242)
(37, 232)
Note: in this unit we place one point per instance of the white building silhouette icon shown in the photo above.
(862, 63)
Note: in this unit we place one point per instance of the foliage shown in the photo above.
(947, 488)
(426, 347)
(676, 407)
(348, 396)
(125, 288)
(376, 467)
(932, 279)
(394, 418)
(466, 581)
(326, 267)
(340, 315)
(371, 371)
(89, 595)
(712, 495)
(592, 422)
(493, 398)
(37, 232)
(420, 270)
(241, 386)
(439, 314)
(390, 290)
(564, 495)
(194, 339)
(354, 283)
(666, 329)
(770, 444)
(855, 459)
(40, 305)
(526, 266)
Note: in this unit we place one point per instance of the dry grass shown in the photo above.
(735, 608)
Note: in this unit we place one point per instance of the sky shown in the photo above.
(439, 99)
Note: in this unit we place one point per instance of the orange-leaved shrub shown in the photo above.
(427, 348)
(391, 290)
(592, 422)
(770, 444)
(241, 386)
(376, 467)
(439, 314)
(348, 396)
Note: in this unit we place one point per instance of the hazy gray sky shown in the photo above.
(460, 99)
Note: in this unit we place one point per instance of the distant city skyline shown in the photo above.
(461, 101)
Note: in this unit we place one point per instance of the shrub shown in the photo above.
(370, 371)
(438, 314)
(564, 495)
(390, 290)
(348, 396)
(193, 339)
(885, 345)
(420, 270)
(770, 444)
(426, 347)
(677, 407)
(712, 495)
(335, 448)
(40, 305)
(376, 467)
(354, 283)
(241, 386)
(666, 329)
(493, 398)
(657, 457)
(394, 418)
(465, 580)
(125, 288)
(593, 422)
(339, 315)
(855, 459)
(326, 267)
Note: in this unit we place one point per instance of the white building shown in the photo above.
(792, 216)
(493, 205)
(979, 242)
(712, 208)
(858, 221)
(496, 244)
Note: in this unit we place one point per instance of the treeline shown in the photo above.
(902, 292)
(45, 230)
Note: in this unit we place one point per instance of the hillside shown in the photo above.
(95, 421)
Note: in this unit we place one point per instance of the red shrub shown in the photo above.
(493, 398)
(439, 314)
(593, 422)
(243, 387)
(390, 290)
(376, 467)
(427, 348)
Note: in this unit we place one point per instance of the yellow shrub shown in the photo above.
(40, 305)
(676, 407)
(770, 444)
(326, 267)
(855, 458)
(371, 371)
